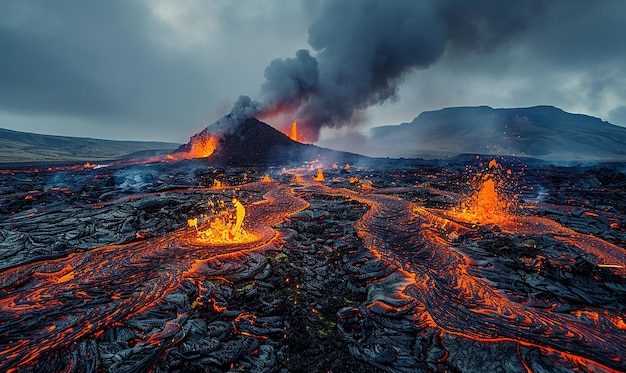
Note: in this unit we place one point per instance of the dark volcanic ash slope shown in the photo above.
(255, 142)
(543, 132)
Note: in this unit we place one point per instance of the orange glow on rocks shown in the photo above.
(202, 145)
(428, 277)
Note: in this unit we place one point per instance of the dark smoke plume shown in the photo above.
(364, 48)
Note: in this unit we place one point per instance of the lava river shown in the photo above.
(460, 300)
(49, 304)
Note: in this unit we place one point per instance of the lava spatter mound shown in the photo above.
(253, 142)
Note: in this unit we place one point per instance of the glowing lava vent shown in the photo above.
(293, 134)
(487, 204)
(203, 145)
(223, 227)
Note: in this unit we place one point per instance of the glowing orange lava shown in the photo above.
(85, 293)
(320, 175)
(202, 146)
(487, 204)
(450, 296)
(442, 285)
(223, 228)
(293, 134)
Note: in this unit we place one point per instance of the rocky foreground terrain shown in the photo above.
(389, 267)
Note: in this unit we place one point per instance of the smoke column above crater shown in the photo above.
(364, 49)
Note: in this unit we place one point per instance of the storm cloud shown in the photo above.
(365, 48)
(163, 70)
(151, 70)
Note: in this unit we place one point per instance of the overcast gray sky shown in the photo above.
(165, 69)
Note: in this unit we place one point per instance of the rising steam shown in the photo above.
(365, 48)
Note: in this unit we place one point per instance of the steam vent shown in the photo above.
(244, 250)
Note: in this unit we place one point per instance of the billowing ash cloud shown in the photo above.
(291, 81)
(365, 48)
(288, 84)
(245, 108)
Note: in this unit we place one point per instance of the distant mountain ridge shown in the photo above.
(543, 132)
(16, 147)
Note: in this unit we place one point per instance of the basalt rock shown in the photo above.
(368, 275)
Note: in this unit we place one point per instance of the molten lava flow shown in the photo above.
(48, 305)
(293, 134)
(451, 286)
(444, 283)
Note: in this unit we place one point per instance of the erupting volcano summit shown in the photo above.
(251, 141)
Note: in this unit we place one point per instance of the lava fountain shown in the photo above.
(293, 134)
(201, 146)
(487, 204)
(223, 228)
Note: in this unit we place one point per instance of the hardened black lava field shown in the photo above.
(483, 264)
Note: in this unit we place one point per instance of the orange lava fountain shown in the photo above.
(224, 228)
(487, 204)
(203, 146)
(293, 134)
(319, 176)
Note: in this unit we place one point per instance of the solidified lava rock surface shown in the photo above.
(372, 270)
